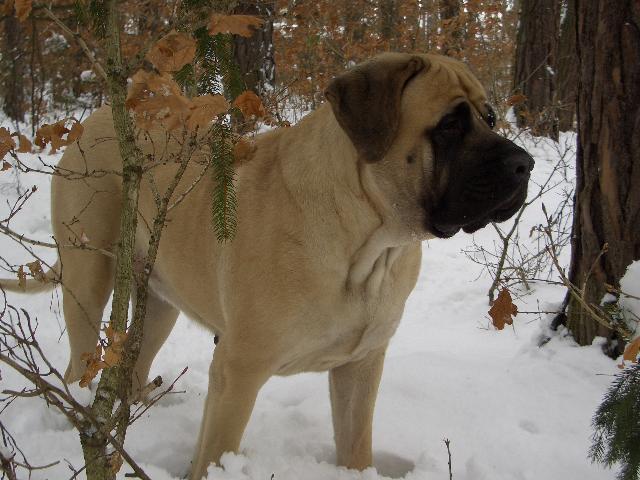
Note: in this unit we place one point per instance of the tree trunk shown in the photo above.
(452, 27)
(535, 65)
(13, 62)
(388, 21)
(254, 55)
(607, 203)
(567, 70)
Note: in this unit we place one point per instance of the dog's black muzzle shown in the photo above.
(487, 178)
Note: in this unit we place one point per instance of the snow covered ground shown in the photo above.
(512, 410)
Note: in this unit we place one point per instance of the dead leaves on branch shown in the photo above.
(54, 134)
(631, 352)
(106, 357)
(503, 310)
(157, 100)
(172, 52)
(8, 144)
(243, 25)
(22, 8)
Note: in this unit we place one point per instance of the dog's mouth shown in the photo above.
(443, 229)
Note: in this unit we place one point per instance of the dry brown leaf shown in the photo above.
(242, 25)
(75, 133)
(172, 52)
(6, 142)
(23, 9)
(204, 109)
(516, 99)
(24, 144)
(113, 351)
(5, 166)
(22, 278)
(157, 99)
(94, 365)
(52, 134)
(631, 352)
(35, 268)
(250, 104)
(7, 8)
(115, 462)
(503, 310)
(243, 151)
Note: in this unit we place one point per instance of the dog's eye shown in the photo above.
(491, 116)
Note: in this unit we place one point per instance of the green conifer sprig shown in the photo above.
(617, 425)
(224, 202)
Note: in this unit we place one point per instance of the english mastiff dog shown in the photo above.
(331, 214)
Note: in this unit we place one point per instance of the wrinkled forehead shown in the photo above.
(443, 85)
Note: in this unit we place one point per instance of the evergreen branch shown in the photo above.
(617, 425)
(224, 196)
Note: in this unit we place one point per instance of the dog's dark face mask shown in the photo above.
(422, 132)
(482, 176)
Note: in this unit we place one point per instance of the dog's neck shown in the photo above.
(325, 176)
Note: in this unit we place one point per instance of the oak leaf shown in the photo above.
(115, 347)
(35, 268)
(7, 8)
(204, 109)
(5, 166)
(23, 9)
(157, 99)
(172, 52)
(115, 462)
(516, 99)
(94, 365)
(243, 151)
(22, 278)
(6, 142)
(24, 144)
(75, 133)
(503, 310)
(242, 25)
(631, 352)
(54, 134)
(250, 104)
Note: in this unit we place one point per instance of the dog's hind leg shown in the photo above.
(159, 321)
(87, 282)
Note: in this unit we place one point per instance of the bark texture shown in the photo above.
(535, 65)
(452, 27)
(567, 92)
(13, 76)
(255, 55)
(607, 203)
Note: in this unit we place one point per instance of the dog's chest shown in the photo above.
(364, 320)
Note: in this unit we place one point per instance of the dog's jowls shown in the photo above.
(331, 213)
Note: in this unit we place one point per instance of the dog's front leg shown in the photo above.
(233, 388)
(353, 388)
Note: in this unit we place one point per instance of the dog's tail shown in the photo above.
(33, 285)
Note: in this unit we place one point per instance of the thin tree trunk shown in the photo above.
(535, 65)
(113, 383)
(452, 27)
(388, 20)
(567, 70)
(607, 203)
(255, 55)
(13, 56)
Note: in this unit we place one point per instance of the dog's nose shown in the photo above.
(519, 165)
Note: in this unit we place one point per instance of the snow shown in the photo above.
(629, 300)
(512, 409)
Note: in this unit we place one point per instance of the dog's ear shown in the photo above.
(366, 101)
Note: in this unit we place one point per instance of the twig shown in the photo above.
(447, 442)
